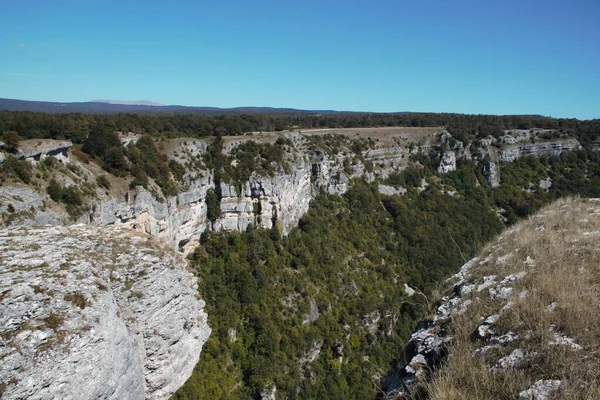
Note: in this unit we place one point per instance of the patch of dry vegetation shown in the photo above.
(558, 299)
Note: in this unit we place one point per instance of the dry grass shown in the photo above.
(563, 241)
(391, 136)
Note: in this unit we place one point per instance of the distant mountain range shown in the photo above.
(129, 103)
(142, 106)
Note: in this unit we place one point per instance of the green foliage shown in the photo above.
(70, 196)
(19, 169)
(114, 161)
(429, 160)
(54, 190)
(213, 206)
(177, 170)
(147, 161)
(100, 139)
(104, 143)
(264, 159)
(251, 156)
(11, 141)
(409, 178)
(102, 181)
(348, 256)
(329, 143)
(465, 128)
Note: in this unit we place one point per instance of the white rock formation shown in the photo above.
(36, 149)
(541, 390)
(447, 163)
(511, 153)
(93, 313)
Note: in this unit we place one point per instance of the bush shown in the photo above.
(54, 190)
(114, 161)
(103, 181)
(77, 299)
(71, 195)
(20, 169)
(177, 170)
(11, 141)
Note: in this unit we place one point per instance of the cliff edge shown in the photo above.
(95, 313)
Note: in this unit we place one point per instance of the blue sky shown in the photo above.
(468, 56)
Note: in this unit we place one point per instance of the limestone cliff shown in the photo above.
(276, 199)
(95, 313)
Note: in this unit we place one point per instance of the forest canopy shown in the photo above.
(77, 126)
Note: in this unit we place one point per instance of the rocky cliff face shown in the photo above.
(518, 143)
(262, 201)
(283, 197)
(94, 313)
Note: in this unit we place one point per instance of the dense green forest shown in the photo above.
(77, 126)
(350, 257)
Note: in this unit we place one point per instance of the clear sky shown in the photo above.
(468, 56)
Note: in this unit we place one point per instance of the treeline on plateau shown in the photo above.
(349, 257)
(76, 126)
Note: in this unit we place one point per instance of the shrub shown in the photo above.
(53, 321)
(103, 181)
(20, 169)
(54, 190)
(77, 299)
(71, 195)
(11, 141)
(177, 170)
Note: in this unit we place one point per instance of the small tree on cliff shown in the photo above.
(11, 141)
(54, 190)
(213, 206)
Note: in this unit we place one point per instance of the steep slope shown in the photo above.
(92, 313)
(261, 180)
(522, 319)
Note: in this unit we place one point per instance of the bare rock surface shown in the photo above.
(95, 313)
(37, 148)
(541, 390)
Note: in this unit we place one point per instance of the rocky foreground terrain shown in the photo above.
(521, 320)
(95, 313)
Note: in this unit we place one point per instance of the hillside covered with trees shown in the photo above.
(322, 313)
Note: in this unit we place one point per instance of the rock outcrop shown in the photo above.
(36, 149)
(448, 162)
(95, 313)
(553, 148)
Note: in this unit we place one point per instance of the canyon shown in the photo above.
(137, 300)
(279, 199)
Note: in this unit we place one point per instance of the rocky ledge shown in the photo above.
(95, 313)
